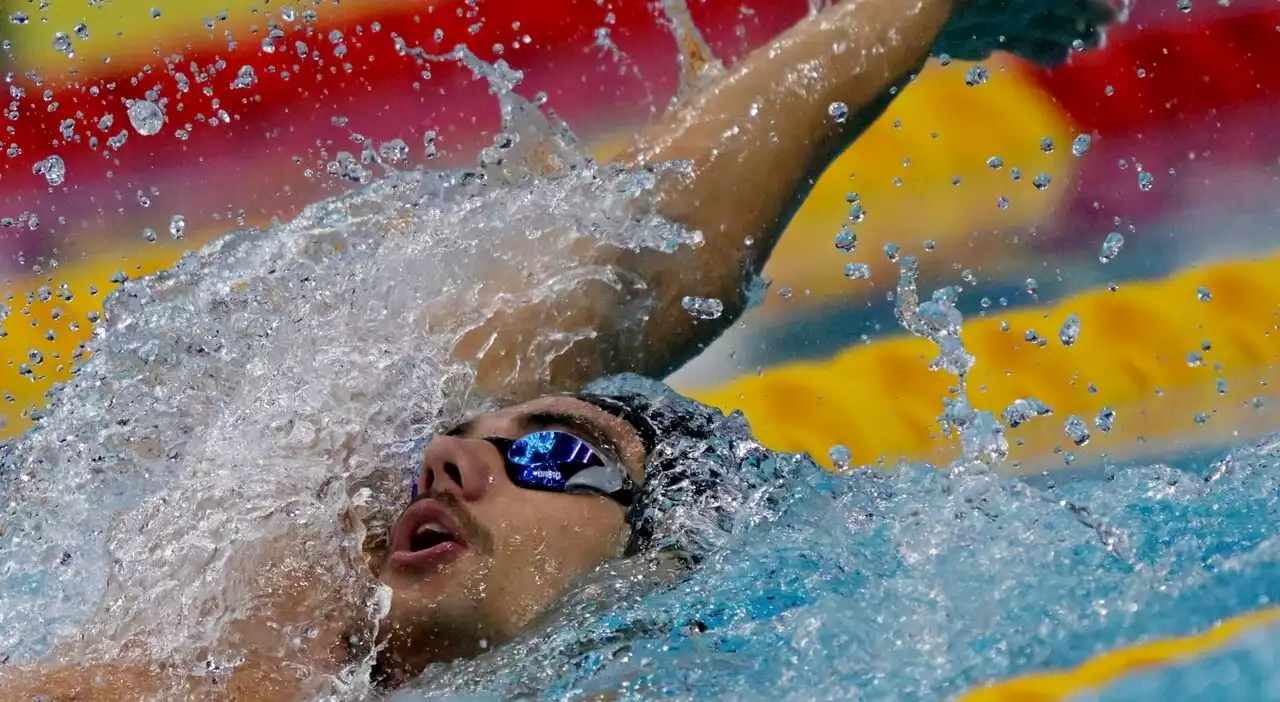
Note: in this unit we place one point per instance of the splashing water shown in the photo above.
(698, 64)
(234, 398)
(53, 169)
(1111, 247)
(146, 117)
(244, 394)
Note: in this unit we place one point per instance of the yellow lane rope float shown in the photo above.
(1115, 665)
(1182, 362)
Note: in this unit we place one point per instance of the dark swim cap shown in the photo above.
(694, 456)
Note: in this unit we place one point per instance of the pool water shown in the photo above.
(922, 584)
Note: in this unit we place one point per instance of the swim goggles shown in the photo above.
(557, 461)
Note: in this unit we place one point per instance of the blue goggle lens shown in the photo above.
(547, 459)
(544, 460)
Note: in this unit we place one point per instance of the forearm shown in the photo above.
(757, 139)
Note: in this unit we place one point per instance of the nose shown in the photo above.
(459, 466)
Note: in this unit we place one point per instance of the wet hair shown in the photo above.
(694, 456)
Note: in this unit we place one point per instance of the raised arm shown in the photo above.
(755, 140)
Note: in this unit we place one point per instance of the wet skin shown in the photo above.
(476, 558)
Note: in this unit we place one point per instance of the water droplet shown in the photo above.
(149, 234)
(1146, 181)
(1184, 6)
(1222, 386)
(1077, 431)
(891, 251)
(1080, 145)
(846, 240)
(1194, 359)
(702, 307)
(1031, 287)
(857, 213)
(1201, 418)
(146, 117)
(178, 226)
(155, 13)
(930, 244)
(841, 457)
(1016, 174)
(1024, 410)
(1110, 247)
(1042, 181)
(838, 111)
(1003, 203)
(857, 271)
(1105, 420)
(82, 31)
(1070, 330)
(245, 78)
(1046, 144)
(1203, 294)
(53, 170)
(62, 43)
(977, 75)
(995, 163)
(19, 18)
(394, 151)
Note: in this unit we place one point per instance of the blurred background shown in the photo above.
(135, 130)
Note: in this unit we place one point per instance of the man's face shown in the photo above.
(475, 558)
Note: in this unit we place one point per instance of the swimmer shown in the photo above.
(512, 507)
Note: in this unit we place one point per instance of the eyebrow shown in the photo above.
(546, 419)
(573, 422)
(463, 429)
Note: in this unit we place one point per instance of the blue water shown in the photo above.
(920, 585)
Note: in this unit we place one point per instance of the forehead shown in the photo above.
(569, 413)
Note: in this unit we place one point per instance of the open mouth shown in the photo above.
(428, 535)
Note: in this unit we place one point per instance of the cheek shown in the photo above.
(551, 538)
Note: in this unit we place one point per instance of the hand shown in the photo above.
(1042, 31)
